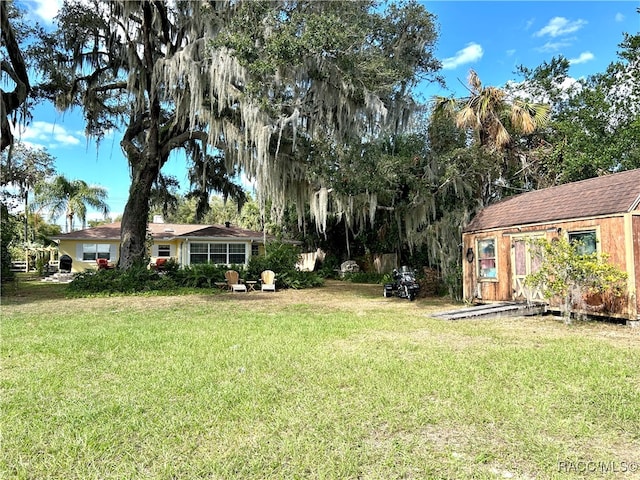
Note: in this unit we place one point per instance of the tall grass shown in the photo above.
(288, 386)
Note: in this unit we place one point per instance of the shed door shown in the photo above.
(524, 263)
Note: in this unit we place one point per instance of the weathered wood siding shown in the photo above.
(636, 250)
(613, 241)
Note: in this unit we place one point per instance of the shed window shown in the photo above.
(487, 258)
(164, 250)
(584, 241)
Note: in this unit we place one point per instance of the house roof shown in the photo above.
(609, 194)
(166, 231)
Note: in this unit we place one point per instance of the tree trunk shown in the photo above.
(26, 216)
(133, 230)
(17, 70)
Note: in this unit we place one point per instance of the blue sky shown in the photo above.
(491, 37)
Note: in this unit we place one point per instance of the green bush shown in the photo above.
(201, 275)
(136, 279)
(282, 258)
(299, 280)
(279, 257)
(570, 275)
(330, 267)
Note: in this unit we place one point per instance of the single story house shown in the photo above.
(602, 212)
(187, 244)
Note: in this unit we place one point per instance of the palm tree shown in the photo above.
(210, 174)
(24, 167)
(490, 113)
(71, 197)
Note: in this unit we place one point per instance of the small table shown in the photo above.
(221, 285)
(251, 285)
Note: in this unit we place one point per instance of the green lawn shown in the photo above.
(330, 383)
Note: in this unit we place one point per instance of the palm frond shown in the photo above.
(474, 81)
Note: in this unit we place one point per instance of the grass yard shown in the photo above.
(331, 383)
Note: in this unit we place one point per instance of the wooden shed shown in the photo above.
(602, 212)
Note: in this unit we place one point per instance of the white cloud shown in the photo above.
(529, 23)
(559, 26)
(469, 54)
(583, 58)
(50, 135)
(619, 17)
(46, 9)
(554, 46)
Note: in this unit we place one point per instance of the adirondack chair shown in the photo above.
(234, 282)
(268, 280)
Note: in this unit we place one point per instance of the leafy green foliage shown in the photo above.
(595, 123)
(8, 229)
(298, 280)
(570, 275)
(282, 259)
(202, 275)
(136, 279)
(71, 198)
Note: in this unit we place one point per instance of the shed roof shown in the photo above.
(111, 231)
(606, 195)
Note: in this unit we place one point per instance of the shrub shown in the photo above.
(299, 280)
(279, 257)
(136, 279)
(330, 267)
(570, 275)
(200, 275)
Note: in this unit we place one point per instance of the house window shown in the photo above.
(487, 259)
(585, 241)
(93, 251)
(164, 250)
(255, 249)
(217, 253)
(199, 253)
(236, 253)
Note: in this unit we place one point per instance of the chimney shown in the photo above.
(158, 219)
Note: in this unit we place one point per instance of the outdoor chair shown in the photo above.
(268, 280)
(104, 264)
(234, 282)
(159, 265)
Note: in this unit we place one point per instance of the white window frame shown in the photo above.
(216, 250)
(92, 251)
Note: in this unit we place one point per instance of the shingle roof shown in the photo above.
(224, 231)
(609, 194)
(111, 231)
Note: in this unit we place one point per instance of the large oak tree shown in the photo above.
(263, 82)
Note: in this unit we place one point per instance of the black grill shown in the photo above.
(65, 263)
